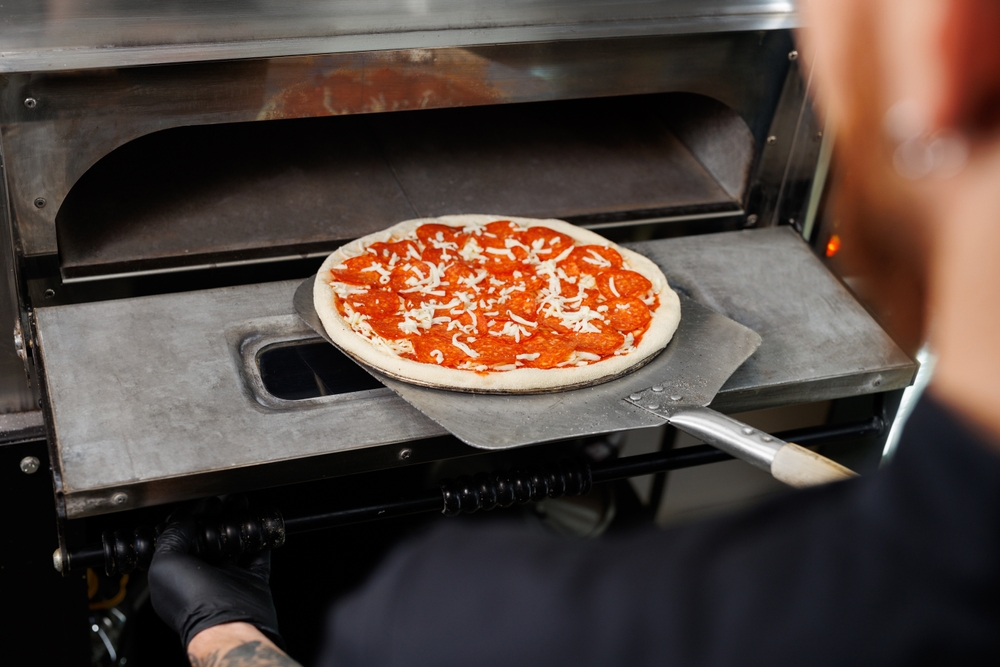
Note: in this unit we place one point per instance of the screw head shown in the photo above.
(49, 293)
(772, 140)
(119, 498)
(40, 202)
(405, 453)
(57, 560)
(30, 465)
(751, 220)
(30, 102)
(793, 55)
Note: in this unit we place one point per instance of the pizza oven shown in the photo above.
(171, 180)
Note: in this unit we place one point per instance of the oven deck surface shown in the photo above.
(157, 399)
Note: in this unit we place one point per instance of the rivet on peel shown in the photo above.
(635, 397)
(748, 430)
(676, 398)
(653, 406)
(658, 388)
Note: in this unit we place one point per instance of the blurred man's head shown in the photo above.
(913, 88)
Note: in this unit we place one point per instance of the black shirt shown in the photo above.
(898, 568)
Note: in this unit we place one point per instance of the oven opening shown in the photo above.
(298, 371)
(244, 193)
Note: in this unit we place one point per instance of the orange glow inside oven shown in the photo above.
(833, 245)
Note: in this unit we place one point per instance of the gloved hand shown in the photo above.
(192, 595)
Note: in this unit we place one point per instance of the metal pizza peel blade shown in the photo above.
(676, 387)
(704, 352)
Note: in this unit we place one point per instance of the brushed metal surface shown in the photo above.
(153, 388)
(819, 343)
(151, 394)
(79, 117)
(705, 350)
(77, 34)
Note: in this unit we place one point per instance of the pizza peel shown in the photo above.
(676, 386)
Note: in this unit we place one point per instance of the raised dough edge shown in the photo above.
(522, 380)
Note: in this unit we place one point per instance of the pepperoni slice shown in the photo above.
(552, 349)
(426, 346)
(387, 326)
(521, 304)
(439, 255)
(466, 319)
(594, 258)
(603, 343)
(626, 284)
(551, 239)
(430, 231)
(504, 262)
(501, 324)
(379, 250)
(399, 276)
(457, 274)
(495, 234)
(495, 350)
(376, 303)
(501, 229)
(403, 250)
(356, 272)
(627, 314)
(591, 297)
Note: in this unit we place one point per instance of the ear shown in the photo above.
(970, 49)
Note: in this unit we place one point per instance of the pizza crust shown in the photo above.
(522, 380)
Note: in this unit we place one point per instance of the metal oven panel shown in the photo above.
(156, 398)
(75, 34)
(56, 125)
(152, 389)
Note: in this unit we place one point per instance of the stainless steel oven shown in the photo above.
(172, 174)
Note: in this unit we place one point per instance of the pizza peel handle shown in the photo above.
(786, 461)
(707, 356)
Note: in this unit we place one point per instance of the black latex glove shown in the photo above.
(192, 595)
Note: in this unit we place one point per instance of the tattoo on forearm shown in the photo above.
(251, 654)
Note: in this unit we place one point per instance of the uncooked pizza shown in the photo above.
(487, 304)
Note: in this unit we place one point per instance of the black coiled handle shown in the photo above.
(227, 537)
(485, 492)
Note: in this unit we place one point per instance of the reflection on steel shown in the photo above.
(79, 34)
(82, 116)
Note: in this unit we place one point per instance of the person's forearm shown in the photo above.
(235, 645)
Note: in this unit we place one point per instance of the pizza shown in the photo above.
(496, 305)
